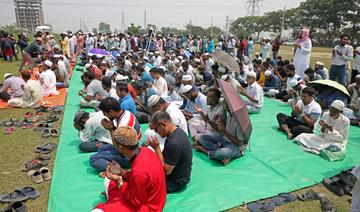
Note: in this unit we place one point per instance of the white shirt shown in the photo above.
(127, 65)
(357, 59)
(209, 63)
(112, 93)
(177, 117)
(158, 61)
(347, 55)
(289, 79)
(160, 86)
(48, 79)
(312, 110)
(256, 92)
(94, 130)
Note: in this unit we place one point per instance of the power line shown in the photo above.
(253, 7)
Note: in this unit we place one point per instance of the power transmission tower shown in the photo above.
(253, 7)
(123, 22)
(226, 25)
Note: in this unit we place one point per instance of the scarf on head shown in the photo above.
(303, 36)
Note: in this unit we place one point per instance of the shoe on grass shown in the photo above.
(15, 196)
(35, 176)
(45, 172)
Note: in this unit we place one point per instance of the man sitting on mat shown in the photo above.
(94, 91)
(91, 133)
(227, 143)
(253, 93)
(107, 152)
(141, 189)
(303, 116)
(177, 154)
(12, 87)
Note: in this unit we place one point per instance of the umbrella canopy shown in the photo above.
(103, 52)
(227, 60)
(329, 83)
(237, 108)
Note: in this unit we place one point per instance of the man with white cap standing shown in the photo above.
(12, 87)
(253, 92)
(48, 80)
(65, 45)
(331, 130)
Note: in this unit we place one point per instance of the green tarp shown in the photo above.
(273, 165)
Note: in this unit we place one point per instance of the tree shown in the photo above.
(94, 31)
(132, 29)
(104, 27)
(248, 25)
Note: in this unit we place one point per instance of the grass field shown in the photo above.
(18, 147)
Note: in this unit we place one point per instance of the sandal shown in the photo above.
(283, 198)
(9, 130)
(334, 186)
(54, 133)
(45, 133)
(310, 195)
(35, 176)
(261, 206)
(28, 115)
(15, 196)
(35, 164)
(46, 148)
(29, 191)
(45, 172)
(326, 205)
(28, 126)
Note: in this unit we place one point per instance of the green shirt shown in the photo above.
(34, 47)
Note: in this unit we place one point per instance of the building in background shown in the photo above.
(29, 14)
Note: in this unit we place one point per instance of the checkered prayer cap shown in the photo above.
(126, 136)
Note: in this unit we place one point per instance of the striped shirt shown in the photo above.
(128, 119)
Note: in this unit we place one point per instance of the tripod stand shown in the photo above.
(151, 39)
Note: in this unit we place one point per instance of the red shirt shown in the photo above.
(132, 91)
(144, 188)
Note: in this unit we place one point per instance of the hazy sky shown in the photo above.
(66, 14)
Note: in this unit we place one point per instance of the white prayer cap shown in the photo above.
(157, 52)
(151, 53)
(267, 73)
(153, 100)
(251, 74)
(7, 75)
(180, 57)
(109, 73)
(64, 33)
(56, 47)
(186, 88)
(319, 63)
(357, 76)
(206, 54)
(99, 56)
(176, 61)
(51, 36)
(57, 55)
(186, 77)
(87, 65)
(197, 60)
(337, 104)
(146, 58)
(163, 68)
(120, 77)
(48, 63)
(257, 53)
(222, 69)
(293, 83)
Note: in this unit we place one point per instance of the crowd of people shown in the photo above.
(171, 83)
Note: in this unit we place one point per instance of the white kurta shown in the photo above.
(33, 94)
(302, 58)
(320, 140)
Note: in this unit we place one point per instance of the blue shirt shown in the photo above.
(146, 77)
(127, 103)
(272, 83)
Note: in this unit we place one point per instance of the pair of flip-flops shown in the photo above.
(340, 184)
(49, 132)
(20, 194)
(39, 176)
(37, 162)
(326, 204)
(51, 118)
(10, 122)
(16, 207)
(45, 148)
(270, 204)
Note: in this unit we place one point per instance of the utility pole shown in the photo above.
(144, 19)
(80, 25)
(212, 25)
(226, 25)
(122, 22)
(190, 28)
(282, 24)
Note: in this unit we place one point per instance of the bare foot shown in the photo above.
(201, 149)
(102, 174)
(195, 144)
(226, 162)
(290, 136)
